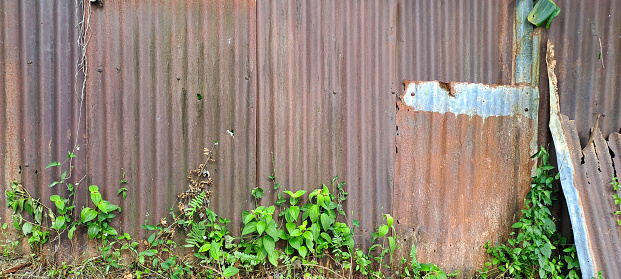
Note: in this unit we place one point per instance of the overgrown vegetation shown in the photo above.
(536, 249)
(306, 235)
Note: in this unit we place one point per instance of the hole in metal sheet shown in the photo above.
(36, 171)
(526, 109)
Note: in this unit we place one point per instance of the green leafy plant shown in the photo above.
(98, 218)
(43, 219)
(531, 250)
(615, 187)
(7, 245)
(304, 235)
(423, 270)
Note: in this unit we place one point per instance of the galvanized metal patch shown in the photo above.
(472, 99)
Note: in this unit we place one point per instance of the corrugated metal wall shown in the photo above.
(148, 64)
(327, 90)
(461, 41)
(314, 82)
(40, 96)
(589, 82)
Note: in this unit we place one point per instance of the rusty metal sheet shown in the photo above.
(462, 168)
(587, 36)
(585, 177)
(326, 100)
(448, 40)
(40, 93)
(165, 80)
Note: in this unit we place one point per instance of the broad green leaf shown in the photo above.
(27, 228)
(205, 247)
(389, 220)
(215, 251)
(326, 237)
(269, 244)
(151, 238)
(393, 245)
(383, 230)
(39, 214)
(249, 228)
(88, 214)
(290, 227)
(149, 253)
(320, 200)
(71, 231)
(273, 257)
(110, 231)
(299, 193)
(273, 232)
(303, 251)
(517, 225)
(307, 235)
(547, 250)
(296, 242)
(96, 198)
(294, 212)
(313, 213)
(53, 164)
(257, 193)
(326, 221)
(54, 183)
(313, 194)
(58, 224)
(260, 227)
(248, 218)
(54, 198)
(60, 205)
(230, 271)
(325, 190)
(93, 230)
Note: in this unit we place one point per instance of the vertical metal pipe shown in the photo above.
(523, 43)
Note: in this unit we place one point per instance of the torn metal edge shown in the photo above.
(566, 170)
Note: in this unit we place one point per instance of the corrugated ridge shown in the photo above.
(326, 99)
(587, 87)
(149, 63)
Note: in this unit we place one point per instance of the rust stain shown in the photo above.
(459, 181)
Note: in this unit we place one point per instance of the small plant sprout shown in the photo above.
(615, 188)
